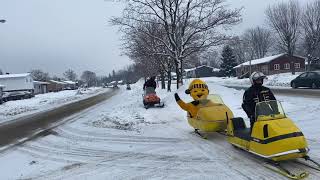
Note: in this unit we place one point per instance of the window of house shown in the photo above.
(297, 65)
(286, 66)
(277, 67)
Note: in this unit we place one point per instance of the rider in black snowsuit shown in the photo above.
(256, 93)
(150, 83)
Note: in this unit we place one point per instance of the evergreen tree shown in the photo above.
(228, 62)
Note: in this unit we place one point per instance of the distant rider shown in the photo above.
(150, 83)
(256, 93)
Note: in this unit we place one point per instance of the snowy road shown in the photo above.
(119, 139)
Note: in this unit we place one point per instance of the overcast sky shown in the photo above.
(54, 35)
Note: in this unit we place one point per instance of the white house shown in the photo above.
(17, 82)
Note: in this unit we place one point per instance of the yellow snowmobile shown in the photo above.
(274, 137)
(212, 115)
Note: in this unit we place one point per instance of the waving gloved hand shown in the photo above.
(176, 96)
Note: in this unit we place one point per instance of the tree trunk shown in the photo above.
(309, 62)
(177, 74)
(293, 68)
(169, 80)
(163, 83)
(181, 72)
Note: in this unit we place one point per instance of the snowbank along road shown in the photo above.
(119, 139)
(36, 124)
(315, 93)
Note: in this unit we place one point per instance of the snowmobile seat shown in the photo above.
(238, 123)
(243, 134)
(240, 129)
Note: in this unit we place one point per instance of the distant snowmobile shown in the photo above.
(274, 137)
(150, 98)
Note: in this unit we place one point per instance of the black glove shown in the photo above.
(196, 102)
(176, 96)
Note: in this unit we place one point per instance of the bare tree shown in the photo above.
(284, 19)
(311, 29)
(189, 25)
(241, 48)
(148, 53)
(258, 40)
(212, 58)
(70, 75)
(89, 78)
(39, 75)
(56, 78)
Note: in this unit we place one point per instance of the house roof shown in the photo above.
(260, 61)
(14, 75)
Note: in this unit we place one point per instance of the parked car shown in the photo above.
(307, 79)
(16, 95)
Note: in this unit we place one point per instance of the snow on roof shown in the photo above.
(192, 69)
(69, 82)
(215, 70)
(2, 85)
(57, 82)
(40, 82)
(14, 75)
(260, 61)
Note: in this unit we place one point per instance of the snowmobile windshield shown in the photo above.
(150, 90)
(212, 100)
(269, 110)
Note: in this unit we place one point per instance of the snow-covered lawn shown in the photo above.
(276, 80)
(14, 109)
(119, 139)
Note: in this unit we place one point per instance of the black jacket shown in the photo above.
(150, 83)
(254, 95)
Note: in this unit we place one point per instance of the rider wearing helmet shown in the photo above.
(150, 83)
(256, 93)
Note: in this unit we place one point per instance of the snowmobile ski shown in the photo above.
(315, 166)
(196, 131)
(276, 167)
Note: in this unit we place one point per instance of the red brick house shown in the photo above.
(276, 64)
